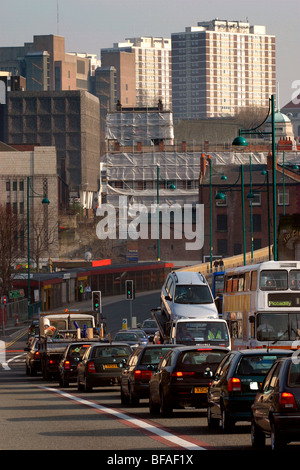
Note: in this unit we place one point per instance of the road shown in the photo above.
(36, 414)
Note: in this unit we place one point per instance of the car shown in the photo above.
(134, 337)
(149, 326)
(187, 294)
(183, 377)
(134, 381)
(275, 412)
(32, 360)
(68, 364)
(102, 365)
(235, 384)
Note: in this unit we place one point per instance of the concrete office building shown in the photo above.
(68, 120)
(144, 70)
(220, 67)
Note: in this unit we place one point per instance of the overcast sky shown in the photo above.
(89, 25)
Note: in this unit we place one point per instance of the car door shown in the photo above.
(216, 387)
(264, 402)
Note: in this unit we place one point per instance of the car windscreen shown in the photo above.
(126, 337)
(256, 364)
(153, 356)
(294, 375)
(201, 357)
(77, 350)
(111, 351)
(192, 294)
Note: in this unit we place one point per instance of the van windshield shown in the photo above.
(192, 294)
(202, 331)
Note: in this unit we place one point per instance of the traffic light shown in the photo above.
(129, 290)
(96, 300)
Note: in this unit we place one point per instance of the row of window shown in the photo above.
(14, 185)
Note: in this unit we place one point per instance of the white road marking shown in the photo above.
(132, 421)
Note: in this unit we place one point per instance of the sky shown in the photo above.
(89, 25)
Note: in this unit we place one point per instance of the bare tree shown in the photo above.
(249, 118)
(43, 233)
(10, 237)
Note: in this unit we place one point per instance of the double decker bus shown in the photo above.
(261, 304)
(216, 284)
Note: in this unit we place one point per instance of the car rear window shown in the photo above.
(255, 364)
(153, 356)
(200, 356)
(294, 375)
(115, 351)
(78, 350)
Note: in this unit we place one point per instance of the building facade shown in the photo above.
(26, 177)
(220, 67)
(68, 120)
(151, 70)
(46, 66)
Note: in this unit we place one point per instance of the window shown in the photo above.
(7, 185)
(222, 223)
(256, 223)
(256, 201)
(15, 185)
(21, 185)
(283, 198)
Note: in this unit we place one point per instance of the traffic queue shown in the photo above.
(200, 370)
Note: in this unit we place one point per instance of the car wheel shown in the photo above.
(226, 422)
(124, 398)
(277, 442)
(87, 388)
(258, 439)
(153, 407)
(212, 423)
(165, 407)
(79, 386)
(133, 399)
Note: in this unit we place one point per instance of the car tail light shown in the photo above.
(180, 373)
(142, 374)
(287, 400)
(91, 367)
(67, 365)
(36, 355)
(234, 385)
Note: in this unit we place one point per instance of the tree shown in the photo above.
(43, 233)
(11, 239)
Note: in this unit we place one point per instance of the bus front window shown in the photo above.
(272, 327)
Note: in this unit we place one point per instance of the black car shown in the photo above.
(101, 365)
(68, 364)
(32, 360)
(136, 375)
(149, 326)
(235, 384)
(183, 377)
(276, 408)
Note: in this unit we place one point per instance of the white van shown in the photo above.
(187, 294)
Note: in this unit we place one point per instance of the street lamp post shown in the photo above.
(221, 195)
(171, 186)
(45, 200)
(241, 141)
